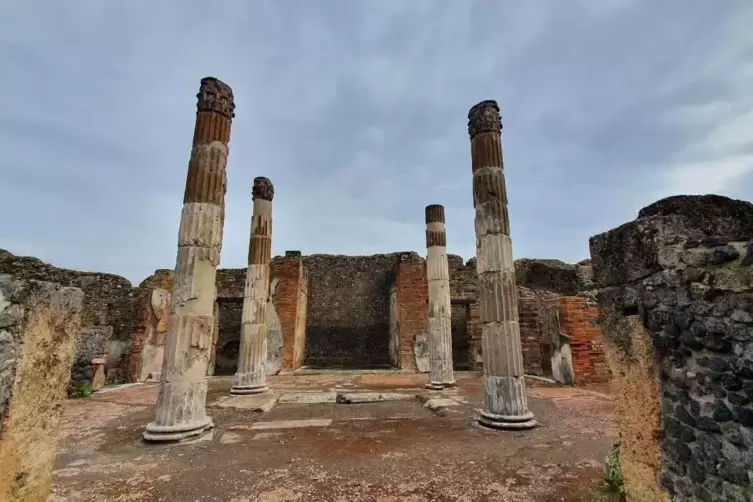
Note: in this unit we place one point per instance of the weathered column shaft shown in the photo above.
(438, 275)
(181, 404)
(251, 377)
(505, 404)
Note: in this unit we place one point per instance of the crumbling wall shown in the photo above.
(348, 309)
(290, 301)
(578, 318)
(411, 312)
(228, 335)
(146, 345)
(464, 295)
(39, 326)
(108, 301)
(676, 303)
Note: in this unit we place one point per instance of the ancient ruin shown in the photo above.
(252, 362)
(181, 405)
(40, 323)
(438, 276)
(505, 404)
(316, 365)
(676, 300)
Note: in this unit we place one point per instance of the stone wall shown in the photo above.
(108, 301)
(348, 309)
(143, 357)
(676, 301)
(230, 317)
(39, 326)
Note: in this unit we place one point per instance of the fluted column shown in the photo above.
(505, 403)
(251, 377)
(438, 275)
(181, 410)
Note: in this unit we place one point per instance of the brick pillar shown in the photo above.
(181, 405)
(505, 404)
(438, 277)
(251, 377)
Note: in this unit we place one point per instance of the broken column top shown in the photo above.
(648, 244)
(434, 213)
(729, 219)
(263, 189)
(215, 96)
(484, 117)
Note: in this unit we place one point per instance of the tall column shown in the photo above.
(251, 377)
(438, 275)
(181, 403)
(505, 404)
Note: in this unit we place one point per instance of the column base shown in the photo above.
(440, 385)
(249, 389)
(170, 433)
(506, 422)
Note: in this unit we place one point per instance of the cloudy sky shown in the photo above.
(356, 110)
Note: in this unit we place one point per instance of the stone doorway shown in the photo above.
(461, 341)
(230, 313)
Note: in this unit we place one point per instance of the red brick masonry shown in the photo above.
(578, 320)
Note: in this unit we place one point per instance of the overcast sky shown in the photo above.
(356, 110)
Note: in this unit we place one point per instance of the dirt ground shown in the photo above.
(381, 452)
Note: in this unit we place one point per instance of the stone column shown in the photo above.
(181, 408)
(251, 377)
(438, 275)
(505, 404)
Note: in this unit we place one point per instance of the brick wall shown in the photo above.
(290, 300)
(578, 321)
(411, 306)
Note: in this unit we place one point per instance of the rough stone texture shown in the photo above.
(92, 346)
(348, 309)
(505, 403)
(677, 275)
(464, 295)
(145, 352)
(229, 335)
(39, 326)
(108, 298)
(181, 410)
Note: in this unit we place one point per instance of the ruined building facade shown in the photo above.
(331, 311)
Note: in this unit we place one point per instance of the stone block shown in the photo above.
(373, 397)
(39, 326)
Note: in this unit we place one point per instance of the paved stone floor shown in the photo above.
(390, 451)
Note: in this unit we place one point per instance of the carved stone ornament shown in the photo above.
(484, 117)
(263, 189)
(215, 96)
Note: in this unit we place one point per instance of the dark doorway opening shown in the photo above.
(230, 311)
(461, 343)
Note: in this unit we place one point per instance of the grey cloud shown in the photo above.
(357, 112)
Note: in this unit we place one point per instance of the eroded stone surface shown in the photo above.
(677, 275)
(39, 326)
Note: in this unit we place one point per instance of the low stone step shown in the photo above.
(372, 397)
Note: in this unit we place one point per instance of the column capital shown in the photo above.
(215, 96)
(263, 189)
(484, 117)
